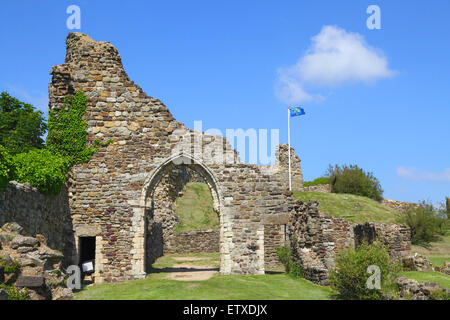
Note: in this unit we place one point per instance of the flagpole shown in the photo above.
(289, 150)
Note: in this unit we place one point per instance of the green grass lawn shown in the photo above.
(158, 287)
(350, 207)
(202, 259)
(219, 287)
(195, 208)
(229, 287)
(428, 276)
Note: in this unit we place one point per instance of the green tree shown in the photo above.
(426, 223)
(6, 167)
(21, 126)
(354, 180)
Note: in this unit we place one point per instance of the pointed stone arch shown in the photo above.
(156, 175)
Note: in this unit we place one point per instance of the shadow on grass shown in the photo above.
(180, 269)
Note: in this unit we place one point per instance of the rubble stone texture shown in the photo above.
(413, 290)
(316, 239)
(37, 214)
(417, 262)
(39, 274)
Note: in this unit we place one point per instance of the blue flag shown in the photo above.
(296, 111)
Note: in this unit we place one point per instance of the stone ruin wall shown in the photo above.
(38, 214)
(398, 205)
(396, 237)
(282, 162)
(194, 241)
(325, 188)
(316, 239)
(109, 196)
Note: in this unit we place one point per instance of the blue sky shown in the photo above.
(226, 62)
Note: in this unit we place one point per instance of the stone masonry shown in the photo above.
(38, 214)
(194, 241)
(316, 239)
(118, 196)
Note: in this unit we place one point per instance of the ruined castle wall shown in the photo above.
(38, 213)
(396, 237)
(317, 239)
(109, 195)
(282, 164)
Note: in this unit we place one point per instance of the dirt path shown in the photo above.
(187, 271)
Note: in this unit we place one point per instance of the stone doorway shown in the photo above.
(163, 188)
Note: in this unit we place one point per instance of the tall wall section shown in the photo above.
(110, 195)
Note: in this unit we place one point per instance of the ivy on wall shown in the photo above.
(67, 130)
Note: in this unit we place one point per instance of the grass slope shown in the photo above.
(195, 208)
(350, 207)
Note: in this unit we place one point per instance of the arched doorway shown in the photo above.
(156, 219)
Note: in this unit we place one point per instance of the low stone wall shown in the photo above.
(316, 239)
(196, 241)
(38, 214)
(413, 290)
(40, 275)
(397, 205)
(396, 237)
(326, 188)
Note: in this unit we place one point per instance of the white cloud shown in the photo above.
(335, 57)
(421, 175)
(289, 89)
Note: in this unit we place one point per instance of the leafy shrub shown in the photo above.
(426, 223)
(354, 180)
(6, 167)
(21, 126)
(42, 169)
(67, 130)
(290, 266)
(350, 276)
(316, 182)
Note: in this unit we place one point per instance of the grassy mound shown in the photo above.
(350, 207)
(195, 208)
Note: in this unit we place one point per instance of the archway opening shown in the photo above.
(182, 220)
